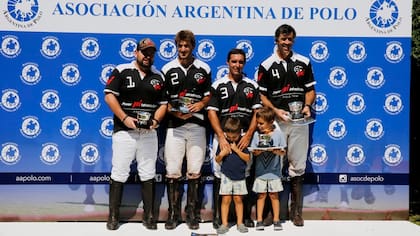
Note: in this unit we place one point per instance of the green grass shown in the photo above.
(415, 219)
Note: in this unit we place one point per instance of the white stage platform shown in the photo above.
(312, 227)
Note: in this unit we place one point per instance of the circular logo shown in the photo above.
(375, 78)
(50, 154)
(10, 46)
(30, 127)
(374, 129)
(338, 77)
(107, 127)
(89, 154)
(383, 13)
(167, 49)
(10, 100)
(90, 48)
(357, 52)
(70, 75)
(318, 154)
(106, 73)
(30, 74)
(337, 129)
(321, 103)
(50, 101)
(222, 71)
(246, 45)
(127, 48)
(394, 52)
(70, 127)
(392, 155)
(206, 50)
(22, 11)
(393, 104)
(355, 155)
(90, 101)
(356, 103)
(50, 47)
(319, 51)
(10, 153)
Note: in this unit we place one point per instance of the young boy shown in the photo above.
(233, 162)
(268, 147)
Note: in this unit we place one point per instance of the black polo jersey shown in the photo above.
(193, 82)
(238, 102)
(135, 94)
(282, 86)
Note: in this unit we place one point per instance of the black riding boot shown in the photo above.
(296, 204)
(217, 202)
(115, 195)
(192, 198)
(148, 195)
(174, 203)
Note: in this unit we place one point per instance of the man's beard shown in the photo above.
(143, 66)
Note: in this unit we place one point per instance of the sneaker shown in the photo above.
(222, 229)
(260, 225)
(277, 225)
(249, 223)
(242, 228)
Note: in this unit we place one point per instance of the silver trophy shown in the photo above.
(264, 140)
(183, 104)
(143, 119)
(296, 110)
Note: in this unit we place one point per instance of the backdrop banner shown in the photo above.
(56, 129)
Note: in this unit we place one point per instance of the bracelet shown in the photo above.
(310, 106)
(125, 118)
(157, 122)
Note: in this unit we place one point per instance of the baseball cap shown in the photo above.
(146, 43)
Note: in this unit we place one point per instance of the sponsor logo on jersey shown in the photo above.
(30, 127)
(90, 101)
(50, 47)
(319, 51)
(383, 16)
(356, 52)
(70, 127)
(30, 74)
(107, 127)
(50, 100)
(356, 103)
(374, 129)
(393, 104)
(167, 49)
(375, 78)
(10, 100)
(90, 48)
(10, 153)
(89, 154)
(394, 52)
(127, 48)
(206, 50)
(338, 77)
(321, 103)
(392, 155)
(318, 154)
(50, 154)
(70, 74)
(10, 46)
(23, 14)
(246, 45)
(337, 129)
(355, 155)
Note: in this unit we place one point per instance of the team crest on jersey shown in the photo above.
(30, 74)
(357, 52)
(338, 77)
(321, 103)
(300, 72)
(10, 46)
(10, 100)
(375, 78)
(249, 92)
(106, 73)
(156, 84)
(50, 154)
(222, 71)
(394, 52)
(23, 14)
(50, 47)
(356, 103)
(383, 16)
(107, 127)
(374, 129)
(30, 127)
(318, 154)
(70, 74)
(393, 104)
(50, 101)
(89, 154)
(90, 48)
(10, 153)
(246, 45)
(392, 155)
(90, 101)
(319, 51)
(355, 155)
(70, 127)
(199, 77)
(337, 129)
(127, 48)
(206, 50)
(167, 49)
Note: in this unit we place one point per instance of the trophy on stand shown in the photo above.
(143, 120)
(264, 140)
(296, 110)
(182, 107)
